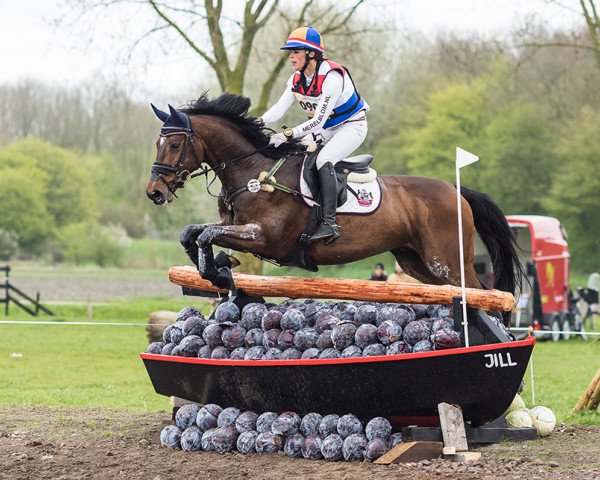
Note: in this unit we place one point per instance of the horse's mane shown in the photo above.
(235, 109)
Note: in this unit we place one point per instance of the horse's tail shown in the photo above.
(498, 238)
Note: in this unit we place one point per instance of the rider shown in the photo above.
(335, 110)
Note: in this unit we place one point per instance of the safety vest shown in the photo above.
(349, 103)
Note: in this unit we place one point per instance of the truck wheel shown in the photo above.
(555, 327)
(566, 327)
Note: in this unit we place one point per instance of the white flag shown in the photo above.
(464, 158)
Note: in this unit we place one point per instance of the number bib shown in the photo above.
(307, 103)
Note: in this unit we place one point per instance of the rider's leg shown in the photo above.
(343, 140)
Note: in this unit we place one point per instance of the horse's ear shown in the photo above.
(178, 117)
(160, 114)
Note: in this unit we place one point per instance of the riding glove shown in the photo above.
(277, 139)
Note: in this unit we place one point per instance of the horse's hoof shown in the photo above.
(190, 233)
(223, 279)
(224, 260)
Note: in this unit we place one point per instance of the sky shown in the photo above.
(33, 46)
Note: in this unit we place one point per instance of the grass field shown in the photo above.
(99, 365)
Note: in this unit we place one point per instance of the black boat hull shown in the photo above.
(482, 379)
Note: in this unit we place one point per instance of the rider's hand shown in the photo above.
(259, 121)
(277, 139)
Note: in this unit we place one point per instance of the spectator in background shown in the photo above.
(379, 274)
(400, 276)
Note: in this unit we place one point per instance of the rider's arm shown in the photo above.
(332, 89)
(276, 111)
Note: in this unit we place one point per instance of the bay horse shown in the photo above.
(416, 221)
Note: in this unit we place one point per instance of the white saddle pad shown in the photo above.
(369, 196)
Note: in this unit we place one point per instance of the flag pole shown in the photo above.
(463, 158)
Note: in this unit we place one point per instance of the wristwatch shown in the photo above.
(289, 133)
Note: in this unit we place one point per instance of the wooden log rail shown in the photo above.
(346, 289)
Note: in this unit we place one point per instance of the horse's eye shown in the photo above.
(174, 145)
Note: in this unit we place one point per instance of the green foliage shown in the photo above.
(85, 243)
(575, 193)
(9, 243)
(24, 209)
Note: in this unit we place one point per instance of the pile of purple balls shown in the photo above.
(212, 428)
(308, 329)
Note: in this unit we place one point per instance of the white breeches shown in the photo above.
(341, 141)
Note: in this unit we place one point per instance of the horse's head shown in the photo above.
(175, 157)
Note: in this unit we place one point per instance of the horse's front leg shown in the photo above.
(247, 237)
(189, 236)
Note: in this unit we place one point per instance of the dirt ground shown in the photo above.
(76, 443)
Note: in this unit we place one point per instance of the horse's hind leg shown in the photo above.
(414, 266)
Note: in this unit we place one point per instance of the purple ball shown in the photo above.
(238, 354)
(205, 352)
(415, 332)
(270, 338)
(207, 416)
(347, 425)
(324, 340)
(207, 444)
(254, 338)
(264, 422)
(279, 308)
(168, 349)
(328, 425)
(286, 424)
(330, 353)
(311, 450)
(170, 436)
(374, 350)
(293, 319)
(176, 352)
(325, 321)
(293, 445)
(365, 335)
(176, 334)
(187, 312)
(219, 353)
(271, 320)
(342, 335)
(246, 442)
(331, 448)
(378, 427)
(375, 449)
(444, 322)
(419, 309)
(252, 315)
(365, 314)
(389, 332)
(212, 335)
(285, 339)
(255, 353)
(191, 439)
(272, 354)
(268, 442)
(227, 312)
(246, 422)
(156, 348)
(310, 424)
(186, 415)
(233, 337)
(228, 417)
(395, 439)
(352, 351)
(305, 338)
(191, 345)
(386, 312)
(311, 353)
(167, 334)
(224, 439)
(354, 447)
(291, 354)
(397, 348)
(194, 326)
(445, 338)
(404, 315)
(345, 311)
(422, 346)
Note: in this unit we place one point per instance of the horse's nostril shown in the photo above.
(155, 195)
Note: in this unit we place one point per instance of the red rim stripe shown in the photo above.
(302, 40)
(529, 341)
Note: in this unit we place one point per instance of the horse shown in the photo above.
(416, 221)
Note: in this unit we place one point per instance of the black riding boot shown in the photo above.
(327, 227)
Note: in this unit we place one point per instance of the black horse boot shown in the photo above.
(327, 227)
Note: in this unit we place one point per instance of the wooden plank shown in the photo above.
(594, 399)
(588, 393)
(453, 427)
(411, 452)
(346, 289)
(464, 457)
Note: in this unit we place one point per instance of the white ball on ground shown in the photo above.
(519, 418)
(543, 420)
(517, 404)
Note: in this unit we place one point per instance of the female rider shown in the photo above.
(336, 115)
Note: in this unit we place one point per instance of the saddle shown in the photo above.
(357, 168)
